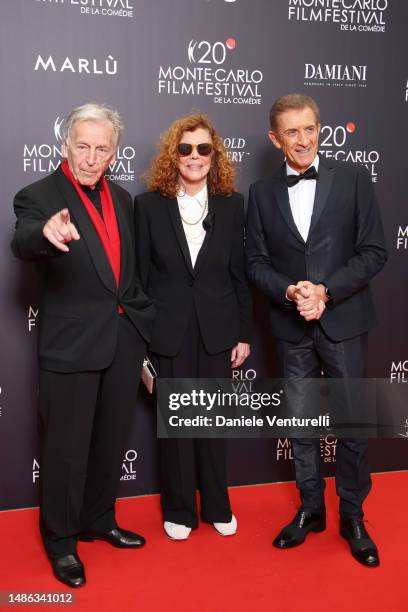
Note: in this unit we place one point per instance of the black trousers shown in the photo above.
(84, 421)
(307, 359)
(188, 464)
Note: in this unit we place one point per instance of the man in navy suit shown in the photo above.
(314, 242)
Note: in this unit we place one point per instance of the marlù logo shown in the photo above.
(208, 75)
(399, 371)
(128, 467)
(349, 15)
(45, 158)
(335, 75)
(80, 65)
(334, 144)
(105, 8)
(236, 148)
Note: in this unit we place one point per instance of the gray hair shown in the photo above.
(93, 112)
(292, 102)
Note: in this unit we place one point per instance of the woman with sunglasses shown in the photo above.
(190, 240)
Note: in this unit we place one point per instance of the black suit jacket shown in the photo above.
(216, 286)
(344, 250)
(79, 297)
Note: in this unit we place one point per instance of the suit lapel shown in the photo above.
(323, 186)
(86, 230)
(203, 252)
(280, 190)
(172, 206)
(125, 241)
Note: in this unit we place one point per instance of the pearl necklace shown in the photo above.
(202, 214)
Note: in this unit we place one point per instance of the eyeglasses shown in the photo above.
(185, 148)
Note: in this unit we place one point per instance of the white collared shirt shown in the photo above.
(301, 200)
(191, 209)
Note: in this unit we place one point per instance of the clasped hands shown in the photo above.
(310, 299)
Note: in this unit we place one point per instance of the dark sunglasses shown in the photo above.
(204, 148)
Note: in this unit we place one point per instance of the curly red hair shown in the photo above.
(163, 174)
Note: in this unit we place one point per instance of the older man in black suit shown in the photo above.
(94, 324)
(314, 242)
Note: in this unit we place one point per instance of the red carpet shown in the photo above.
(209, 573)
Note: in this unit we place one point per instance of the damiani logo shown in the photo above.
(335, 72)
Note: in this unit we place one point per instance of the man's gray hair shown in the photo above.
(292, 102)
(93, 112)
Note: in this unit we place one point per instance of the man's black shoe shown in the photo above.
(121, 538)
(361, 545)
(69, 570)
(296, 532)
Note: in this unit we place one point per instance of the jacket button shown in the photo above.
(307, 252)
(190, 282)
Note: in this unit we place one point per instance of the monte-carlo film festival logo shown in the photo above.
(45, 157)
(399, 371)
(104, 8)
(205, 71)
(402, 238)
(328, 446)
(348, 15)
(337, 142)
(128, 467)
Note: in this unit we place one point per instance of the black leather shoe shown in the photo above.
(361, 545)
(121, 538)
(69, 570)
(296, 532)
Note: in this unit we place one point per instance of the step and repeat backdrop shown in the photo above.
(155, 60)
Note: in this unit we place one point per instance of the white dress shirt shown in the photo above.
(192, 209)
(301, 200)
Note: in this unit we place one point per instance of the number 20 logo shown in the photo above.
(335, 136)
(204, 52)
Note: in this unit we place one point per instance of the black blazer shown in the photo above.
(78, 315)
(216, 286)
(344, 250)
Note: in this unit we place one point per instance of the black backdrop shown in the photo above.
(155, 60)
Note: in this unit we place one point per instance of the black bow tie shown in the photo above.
(293, 179)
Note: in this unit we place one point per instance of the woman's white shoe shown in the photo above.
(227, 529)
(175, 531)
